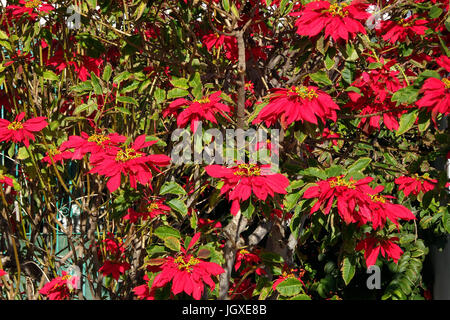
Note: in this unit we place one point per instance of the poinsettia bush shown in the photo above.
(94, 92)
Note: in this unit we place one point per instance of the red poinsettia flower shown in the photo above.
(143, 291)
(248, 259)
(227, 43)
(436, 96)
(197, 110)
(2, 273)
(374, 91)
(150, 210)
(348, 193)
(114, 268)
(242, 180)
(18, 131)
(338, 20)
(94, 144)
(187, 274)
(303, 103)
(30, 7)
(394, 31)
(415, 184)
(129, 161)
(54, 155)
(373, 246)
(381, 208)
(60, 288)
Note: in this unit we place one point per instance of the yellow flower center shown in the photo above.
(304, 92)
(376, 198)
(15, 125)
(128, 154)
(203, 100)
(33, 4)
(446, 82)
(337, 9)
(339, 182)
(53, 152)
(98, 138)
(183, 265)
(248, 170)
(243, 251)
(153, 206)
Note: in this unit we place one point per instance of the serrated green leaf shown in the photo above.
(348, 269)
(321, 78)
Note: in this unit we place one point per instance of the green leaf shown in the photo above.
(406, 95)
(301, 296)
(435, 12)
(172, 243)
(159, 95)
(407, 121)
(84, 86)
(163, 232)
(179, 83)
(348, 269)
(3, 35)
(248, 210)
(107, 73)
(358, 166)
(50, 75)
(96, 84)
(125, 99)
(289, 287)
(23, 153)
(177, 93)
(173, 188)
(315, 172)
(178, 205)
(321, 77)
(226, 5)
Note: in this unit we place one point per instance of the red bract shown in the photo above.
(348, 193)
(5, 180)
(30, 7)
(398, 30)
(249, 259)
(338, 20)
(131, 162)
(187, 274)
(56, 155)
(18, 131)
(60, 288)
(379, 209)
(150, 210)
(242, 180)
(94, 144)
(375, 89)
(143, 291)
(197, 110)
(114, 268)
(415, 184)
(372, 247)
(436, 96)
(303, 103)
